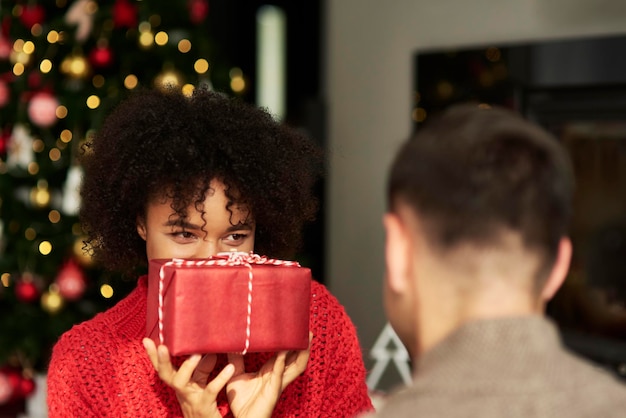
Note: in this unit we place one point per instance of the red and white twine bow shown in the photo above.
(222, 259)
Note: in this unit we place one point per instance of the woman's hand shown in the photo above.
(255, 394)
(196, 395)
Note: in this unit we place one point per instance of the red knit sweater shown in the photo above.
(100, 368)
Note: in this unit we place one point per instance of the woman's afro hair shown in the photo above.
(163, 143)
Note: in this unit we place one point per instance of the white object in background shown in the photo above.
(384, 354)
(271, 57)
(36, 406)
(71, 190)
(20, 152)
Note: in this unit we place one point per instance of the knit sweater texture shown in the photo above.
(100, 368)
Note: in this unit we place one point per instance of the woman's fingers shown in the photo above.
(279, 363)
(204, 368)
(160, 359)
(295, 363)
(218, 383)
(295, 368)
(151, 349)
(182, 377)
(237, 361)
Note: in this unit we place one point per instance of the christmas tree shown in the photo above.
(63, 65)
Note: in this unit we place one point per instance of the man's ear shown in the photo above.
(141, 227)
(559, 270)
(398, 253)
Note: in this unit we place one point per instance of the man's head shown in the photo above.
(480, 198)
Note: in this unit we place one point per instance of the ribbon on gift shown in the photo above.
(234, 258)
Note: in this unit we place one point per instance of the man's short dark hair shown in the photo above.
(473, 172)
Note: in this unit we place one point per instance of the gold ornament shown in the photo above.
(81, 254)
(75, 66)
(52, 301)
(40, 195)
(168, 79)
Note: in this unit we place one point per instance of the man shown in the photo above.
(479, 203)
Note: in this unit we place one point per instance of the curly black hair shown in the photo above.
(159, 143)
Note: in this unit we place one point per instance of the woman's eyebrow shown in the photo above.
(182, 223)
(240, 226)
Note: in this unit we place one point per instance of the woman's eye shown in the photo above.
(183, 235)
(236, 238)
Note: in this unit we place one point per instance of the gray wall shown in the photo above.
(369, 48)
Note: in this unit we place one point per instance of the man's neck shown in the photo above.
(448, 300)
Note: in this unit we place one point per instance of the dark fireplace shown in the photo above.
(575, 88)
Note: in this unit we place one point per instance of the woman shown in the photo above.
(174, 177)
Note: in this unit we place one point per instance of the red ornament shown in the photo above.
(101, 57)
(5, 48)
(34, 80)
(198, 10)
(42, 109)
(32, 15)
(6, 386)
(4, 93)
(5, 138)
(71, 281)
(26, 387)
(124, 14)
(26, 291)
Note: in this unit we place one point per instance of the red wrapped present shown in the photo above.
(233, 302)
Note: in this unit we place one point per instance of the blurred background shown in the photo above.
(358, 77)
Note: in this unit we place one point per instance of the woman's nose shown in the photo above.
(207, 249)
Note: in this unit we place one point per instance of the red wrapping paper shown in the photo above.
(204, 308)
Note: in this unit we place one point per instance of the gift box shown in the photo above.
(233, 302)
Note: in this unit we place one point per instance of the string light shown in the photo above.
(184, 45)
(98, 81)
(45, 247)
(54, 154)
(419, 114)
(30, 234)
(29, 47)
(38, 145)
(130, 82)
(237, 82)
(36, 30)
(53, 37)
(146, 38)
(54, 216)
(6, 279)
(168, 78)
(40, 195)
(106, 291)
(161, 38)
(61, 112)
(188, 89)
(93, 102)
(18, 45)
(52, 301)
(493, 54)
(33, 168)
(66, 135)
(18, 69)
(45, 66)
(201, 66)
